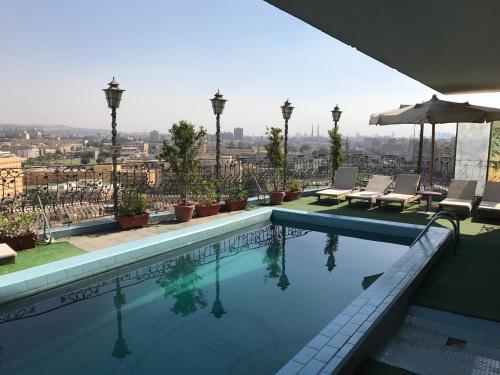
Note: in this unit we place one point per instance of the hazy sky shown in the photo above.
(172, 55)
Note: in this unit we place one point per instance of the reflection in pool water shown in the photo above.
(243, 305)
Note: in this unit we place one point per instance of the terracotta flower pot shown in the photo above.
(129, 222)
(276, 197)
(207, 209)
(236, 204)
(21, 242)
(292, 195)
(184, 213)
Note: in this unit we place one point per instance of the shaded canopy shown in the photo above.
(436, 111)
(447, 45)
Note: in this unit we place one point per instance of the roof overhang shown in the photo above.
(452, 46)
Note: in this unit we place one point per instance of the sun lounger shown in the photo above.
(490, 204)
(404, 193)
(345, 178)
(377, 186)
(460, 196)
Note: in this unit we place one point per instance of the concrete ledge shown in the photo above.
(348, 222)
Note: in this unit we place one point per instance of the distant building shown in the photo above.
(13, 184)
(28, 152)
(238, 134)
(154, 136)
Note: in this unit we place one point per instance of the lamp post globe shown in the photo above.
(218, 103)
(336, 113)
(286, 111)
(113, 97)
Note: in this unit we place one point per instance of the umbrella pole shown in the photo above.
(420, 149)
(431, 170)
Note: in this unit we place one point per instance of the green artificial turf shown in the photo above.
(40, 255)
(467, 282)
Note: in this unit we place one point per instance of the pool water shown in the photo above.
(243, 305)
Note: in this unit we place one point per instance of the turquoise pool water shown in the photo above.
(243, 305)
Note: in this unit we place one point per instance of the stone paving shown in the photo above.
(98, 241)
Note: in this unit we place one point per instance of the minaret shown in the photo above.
(317, 132)
(312, 131)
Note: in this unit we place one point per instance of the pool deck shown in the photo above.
(98, 241)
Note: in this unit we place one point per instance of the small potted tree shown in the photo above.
(294, 190)
(19, 232)
(181, 153)
(207, 204)
(276, 160)
(237, 199)
(132, 211)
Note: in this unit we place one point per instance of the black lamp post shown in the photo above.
(218, 103)
(336, 117)
(286, 110)
(113, 97)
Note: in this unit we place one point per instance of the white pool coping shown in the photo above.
(326, 353)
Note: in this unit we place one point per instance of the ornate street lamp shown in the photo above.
(218, 103)
(113, 97)
(335, 141)
(336, 115)
(286, 110)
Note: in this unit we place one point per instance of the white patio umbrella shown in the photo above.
(435, 111)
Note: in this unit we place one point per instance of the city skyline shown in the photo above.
(171, 57)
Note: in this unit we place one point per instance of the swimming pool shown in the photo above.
(244, 304)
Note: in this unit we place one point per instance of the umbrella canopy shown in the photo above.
(435, 111)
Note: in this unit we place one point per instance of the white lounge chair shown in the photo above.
(345, 178)
(460, 196)
(490, 204)
(377, 186)
(404, 193)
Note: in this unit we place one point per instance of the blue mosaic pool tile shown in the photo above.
(341, 320)
(344, 350)
(330, 330)
(338, 340)
(359, 318)
(331, 365)
(318, 341)
(313, 367)
(350, 310)
(349, 329)
(291, 368)
(326, 353)
(305, 355)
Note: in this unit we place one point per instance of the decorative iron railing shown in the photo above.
(74, 193)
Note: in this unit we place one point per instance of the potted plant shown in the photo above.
(19, 232)
(294, 190)
(276, 160)
(132, 211)
(237, 199)
(207, 204)
(181, 154)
